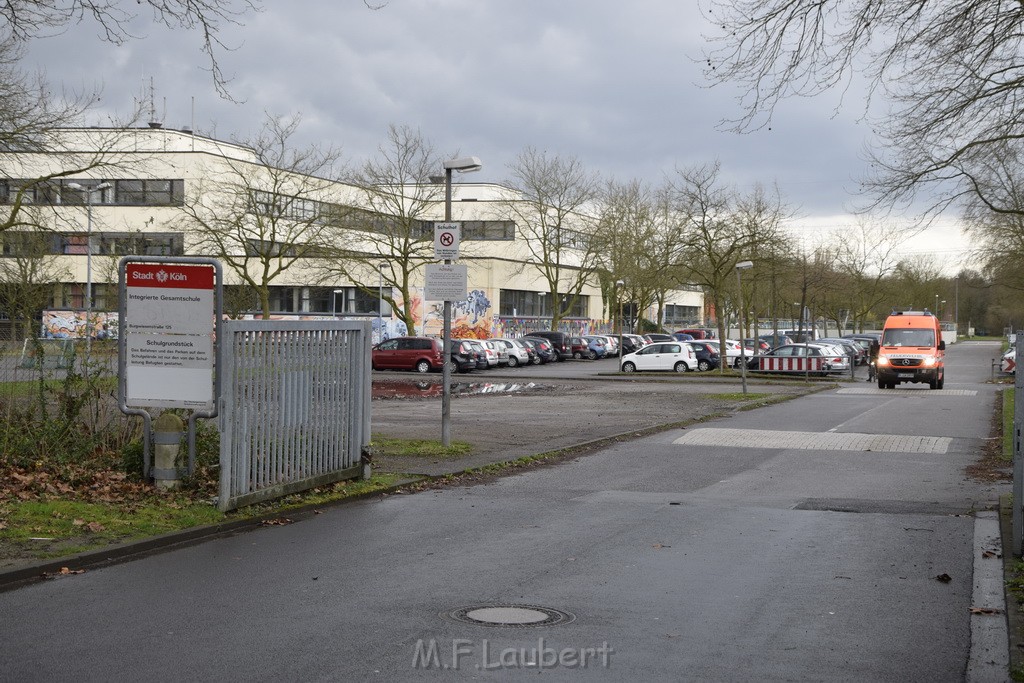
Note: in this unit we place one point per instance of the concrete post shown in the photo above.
(167, 432)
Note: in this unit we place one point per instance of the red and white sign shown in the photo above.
(790, 364)
(169, 298)
(446, 240)
(169, 325)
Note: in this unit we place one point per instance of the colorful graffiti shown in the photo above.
(73, 325)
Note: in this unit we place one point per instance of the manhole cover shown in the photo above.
(514, 616)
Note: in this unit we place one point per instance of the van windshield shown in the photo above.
(905, 337)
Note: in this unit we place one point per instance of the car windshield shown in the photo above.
(908, 337)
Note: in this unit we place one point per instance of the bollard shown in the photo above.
(167, 431)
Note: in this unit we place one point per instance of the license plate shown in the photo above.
(906, 375)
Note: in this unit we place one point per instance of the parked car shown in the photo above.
(494, 355)
(544, 349)
(700, 332)
(611, 343)
(473, 350)
(849, 346)
(833, 359)
(596, 347)
(516, 352)
(580, 347)
(776, 340)
(658, 336)
(631, 343)
(683, 336)
(422, 354)
(559, 342)
(675, 356)
(756, 346)
(707, 355)
(531, 348)
(732, 351)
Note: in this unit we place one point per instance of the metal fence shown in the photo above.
(295, 406)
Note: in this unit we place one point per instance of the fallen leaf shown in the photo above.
(985, 610)
(78, 522)
(280, 521)
(991, 553)
(944, 578)
(659, 545)
(94, 527)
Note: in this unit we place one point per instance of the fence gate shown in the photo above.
(295, 406)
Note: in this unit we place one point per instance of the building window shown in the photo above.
(517, 303)
(133, 192)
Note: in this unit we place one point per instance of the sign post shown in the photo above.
(169, 323)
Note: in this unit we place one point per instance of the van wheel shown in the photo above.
(942, 381)
(422, 366)
(933, 383)
(882, 384)
(513, 361)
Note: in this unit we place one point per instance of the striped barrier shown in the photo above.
(791, 364)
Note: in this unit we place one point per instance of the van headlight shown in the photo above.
(928, 361)
(882, 360)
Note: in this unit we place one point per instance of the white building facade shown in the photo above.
(131, 197)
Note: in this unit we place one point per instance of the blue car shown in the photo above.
(596, 347)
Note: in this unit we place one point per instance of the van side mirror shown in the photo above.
(942, 345)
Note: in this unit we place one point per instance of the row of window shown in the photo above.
(133, 192)
(37, 244)
(518, 303)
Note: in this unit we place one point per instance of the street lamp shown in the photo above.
(380, 298)
(88, 191)
(942, 308)
(936, 309)
(462, 165)
(742, 265)
(618, 296)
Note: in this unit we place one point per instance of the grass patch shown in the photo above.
(418, 448)
(739, 396)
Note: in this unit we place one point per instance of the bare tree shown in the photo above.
(30, 19)
(720, 227)
(268, 213)
(554, 217)
(950, 76)
(28, 269)
(391, 232)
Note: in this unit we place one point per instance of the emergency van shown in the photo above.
(911, 350)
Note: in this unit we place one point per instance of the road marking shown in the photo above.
(915, 393)
(814, 441)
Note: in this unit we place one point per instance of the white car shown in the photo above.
(500, 352)
(732, 351)
(675, 356)
(517, 353)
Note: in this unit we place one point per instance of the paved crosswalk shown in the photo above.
(828, 441)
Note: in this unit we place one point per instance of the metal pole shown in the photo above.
(380, 302)
(88, 272)
(618, 295)
(743, 348)
(1018, 453)
(446, 371)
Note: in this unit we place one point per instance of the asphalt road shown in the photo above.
(833, 537)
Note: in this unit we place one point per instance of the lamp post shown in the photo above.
(742, 265)
(380, 298)
(88, 192)
(462, 165)
(618, 296)
(936, 309)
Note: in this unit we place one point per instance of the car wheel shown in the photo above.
(703, 365)
(423, 366)
(577, 355)
(592, 355)
(628, 367)
(513, 361)
(452, 367)
(680, 367)
(738, 363)
(537, 360)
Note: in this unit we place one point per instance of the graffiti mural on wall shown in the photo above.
(72, 325)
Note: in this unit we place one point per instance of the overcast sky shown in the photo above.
(615, 84)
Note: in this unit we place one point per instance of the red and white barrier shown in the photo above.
(790, 364)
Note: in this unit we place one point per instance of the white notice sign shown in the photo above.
(169, 370)
(446, 282)
(446, 240)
